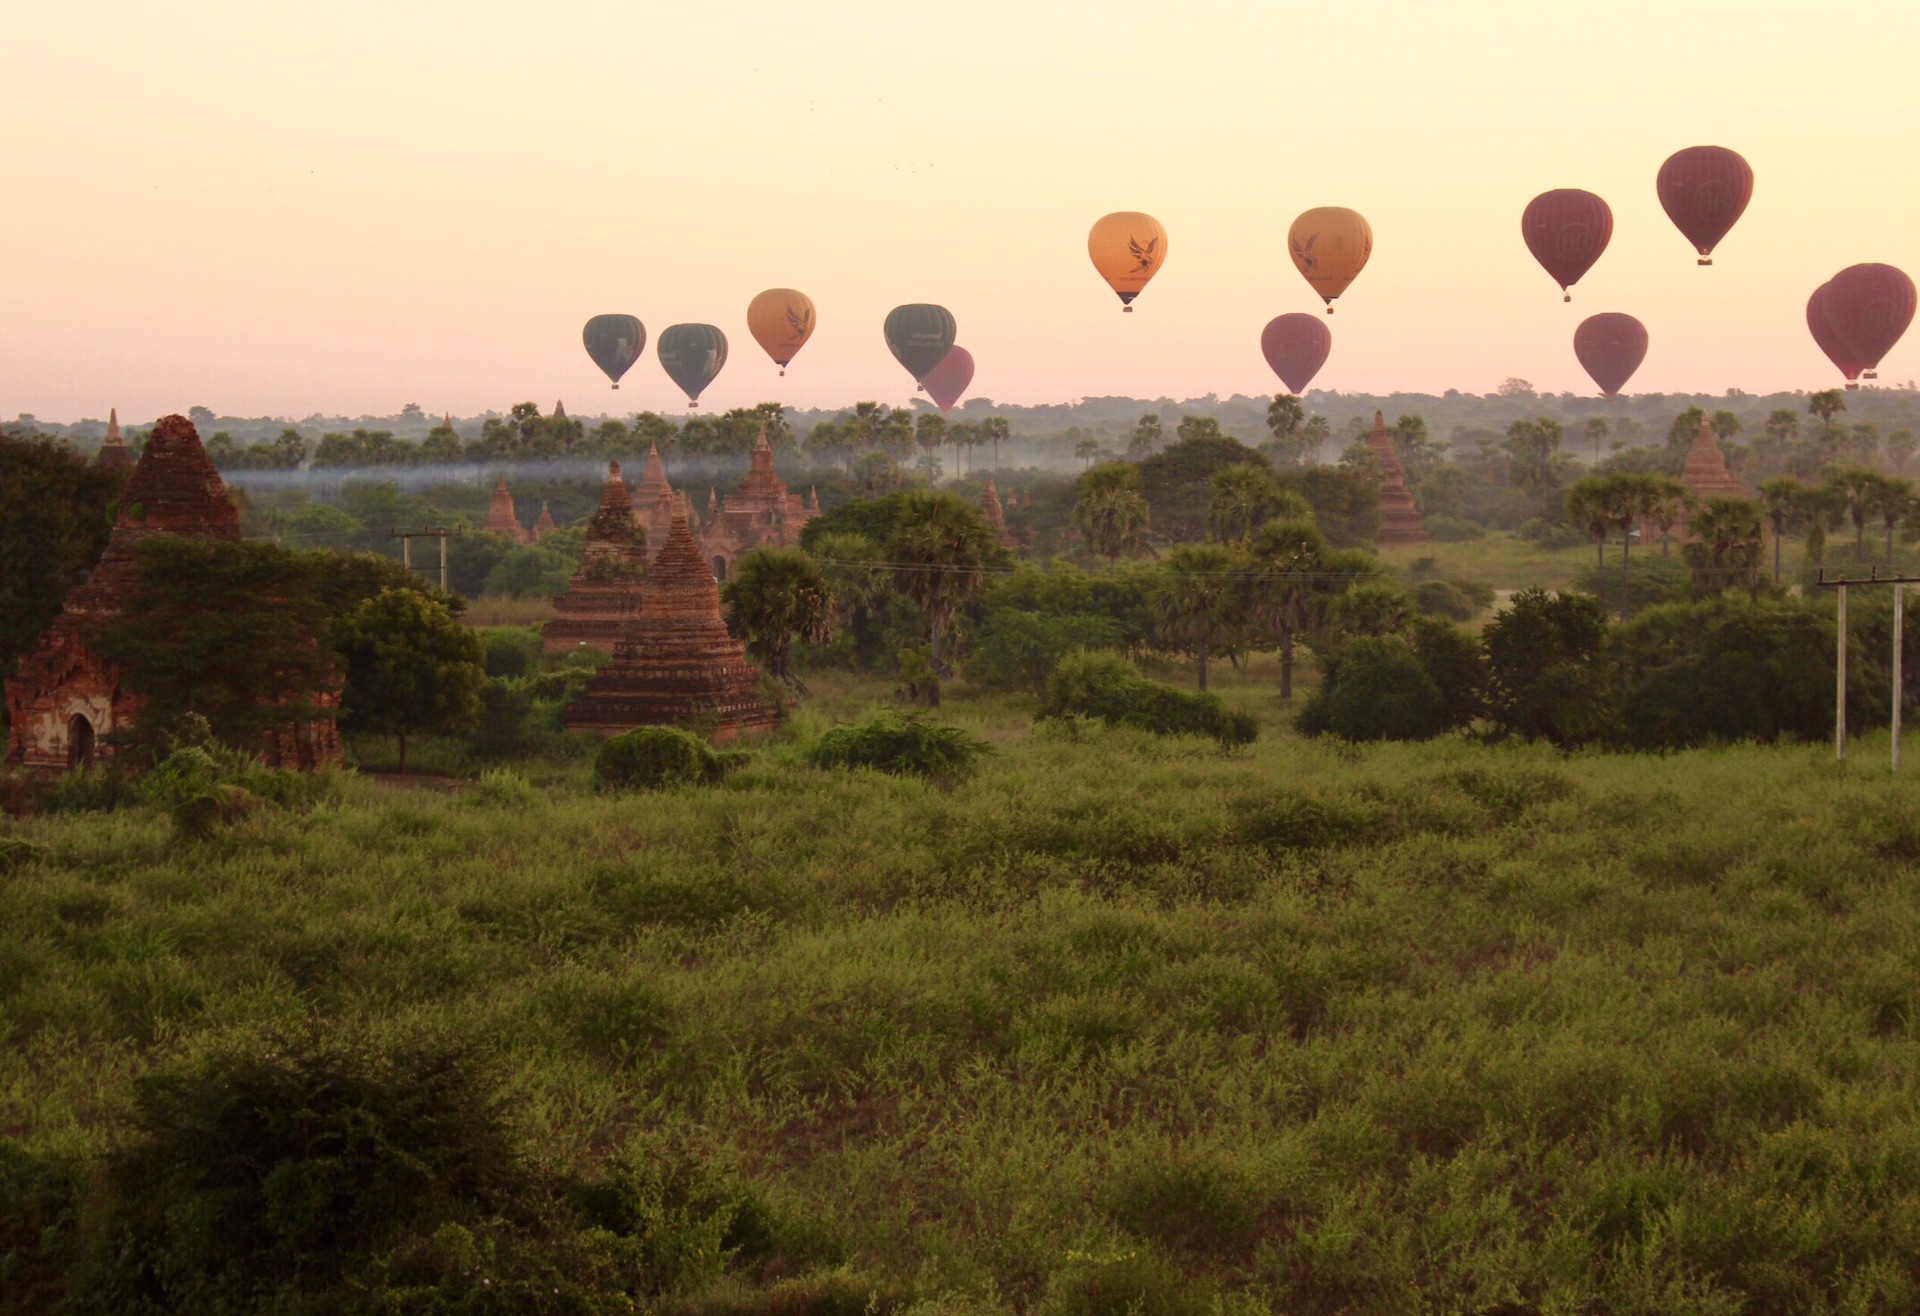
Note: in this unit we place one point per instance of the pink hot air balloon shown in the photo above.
(1870, 307)
(1296, 346)
(1828, 339)
(948, 380)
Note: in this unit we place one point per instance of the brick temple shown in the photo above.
(653, 501)
(1706, 474)
(761, 511)
(1400, 519)
(996, 514)
(502, 519)
(675, 662)
(114, 454)
(605, 591)
(65, 701)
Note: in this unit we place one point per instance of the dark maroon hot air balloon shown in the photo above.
(1704, 190)
(948, 380)
(1869, 307)
(1828, 339)
(1611, 347)
(1296, 346)
(1566, 230)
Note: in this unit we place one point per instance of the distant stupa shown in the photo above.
(605, 591)
(502, 520)
(113, 449)
(1400, 520)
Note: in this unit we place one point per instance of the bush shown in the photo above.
(1016, 650)
(655, 758)
(1544, 675)
(510, 651)
(1453, 530)
(1650, 581)
(903, 744)
(1552, 534)
(1107, 687)
(1380, 690)
(1444, 598)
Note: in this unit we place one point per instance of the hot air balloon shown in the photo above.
(781, 321)
(950, 378)
(1330, 246)
(1828, 338)
(1611, 347)
(1296, 346)
(615, 343)
(1566, 230)
(919, 335)
(1128, 249)
(1704, 190)
(692, 355)
(1869, 307)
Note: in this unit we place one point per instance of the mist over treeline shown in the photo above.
(1059, 434)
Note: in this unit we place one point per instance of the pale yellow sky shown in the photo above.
(346, 205)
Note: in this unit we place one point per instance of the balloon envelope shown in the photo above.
(1566, 230)
(919, 335)
(692, 355)
(1611, 347)
(1704, 190)
(781, 321)
(1296, 346)
(615, 343)
(949, 380)
(1330, 246)
(1827, 338)
(1127, 248)
(1869, 307)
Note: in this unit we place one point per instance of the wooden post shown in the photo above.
(443, 562)
(1840, 682)
(406, 551)
(1899, 626)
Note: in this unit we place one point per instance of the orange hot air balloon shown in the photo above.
(781, 321)
(1128, 249)
(1330, 246)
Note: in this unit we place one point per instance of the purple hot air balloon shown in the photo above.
(1566, 230)
(1869, 307)
(1611, 347)
(948, 380)
(1296, 346)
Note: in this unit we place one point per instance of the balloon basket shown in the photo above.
(616, 388)
(1126, 310)
(1869, 374)
(1704, 260)
(1566, 297)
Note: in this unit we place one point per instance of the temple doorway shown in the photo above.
(720, 570)
(79, 742)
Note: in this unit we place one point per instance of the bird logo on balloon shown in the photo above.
(1142, 254)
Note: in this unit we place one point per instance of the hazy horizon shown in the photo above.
(288, 211)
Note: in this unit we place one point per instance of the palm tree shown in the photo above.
(1239, 499)
(1285, 561)
(1087, 450)
(1111, 515)
(1667, 504)
(1785, 501)
(1597, 430)
(1894, 502)
(1826, 404)
(994, 430)
(777, 596)
(960, 435)
(930, 431)
(1587, 505)
(1199, 600)
(850, 564)
(940, 549)
(1728, 543)
(1856, 492)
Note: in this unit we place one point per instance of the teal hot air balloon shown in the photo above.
(615, 343)
(920, 336)
(692, 355)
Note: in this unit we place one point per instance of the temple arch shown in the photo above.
(80, 742)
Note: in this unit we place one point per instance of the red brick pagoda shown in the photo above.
(114, 455)
(1400, 520)
(653, 500)
(66, 700)
(675, 661)
(1706, 474)
(761, 511)
(996, 514)
(502, 519)
(605, 590)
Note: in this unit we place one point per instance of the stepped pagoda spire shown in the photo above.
(559, 411)
(996, 514)
(1400, 520)
(605, 590)
(113, 449)
(545, 525)
(1706, 474)
(65, 701)
(675, 661)
(502, 519)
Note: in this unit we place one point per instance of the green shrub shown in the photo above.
(1126, 1283)
(1107, 686)
(1544, 675)
(1016, 650)
(1649, 581)
(1453, 530)
(1379, 691)
(908, 745)
(1188, 1205)
(511, 651)
(39, 1228)
(655, 758)
(1443, 598)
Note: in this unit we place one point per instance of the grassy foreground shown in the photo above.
(1119, 1024)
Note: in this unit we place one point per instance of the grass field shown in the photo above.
(1119, 1024)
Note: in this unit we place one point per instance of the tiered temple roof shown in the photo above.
(502, 520)
(675, 661)
(653, 497)
(761, 511)
(605, 591)
(996, 514)
(114, 455)
(545, 525)
(65, 700)
(1706, 474)
(1400, 520)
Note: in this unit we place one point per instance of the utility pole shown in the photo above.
(1899, 584)
(406, 538)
